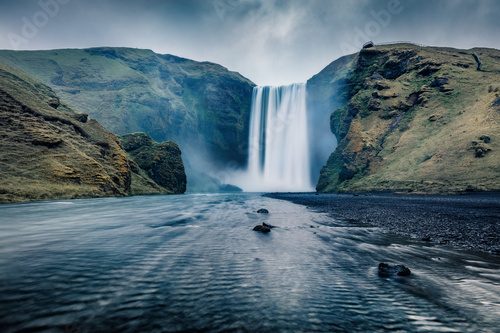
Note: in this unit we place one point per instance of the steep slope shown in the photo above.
(202, 106)
(161, 161)
(326, 91)
(49, 151)
(417, 119)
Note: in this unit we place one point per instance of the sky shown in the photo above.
(271, 42)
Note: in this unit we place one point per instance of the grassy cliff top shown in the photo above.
(418, 119)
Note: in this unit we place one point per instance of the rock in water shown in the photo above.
(262, 228)
(403, 270)
(263, 211)
(385, 270)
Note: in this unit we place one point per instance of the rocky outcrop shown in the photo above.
(202, 106)
(262, 228)
(47, 152)
(50, 152)
(386, 270)
(411, 117)
(326, 91)
(161, 162)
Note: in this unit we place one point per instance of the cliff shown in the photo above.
(422, 119)
(161, 162)
(49, 151)
(200, 105)
(405, 117)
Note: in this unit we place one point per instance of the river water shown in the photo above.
(192, 263)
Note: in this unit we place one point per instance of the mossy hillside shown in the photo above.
(199, 105)
(413, 122)
(49, 151)
(160, 162)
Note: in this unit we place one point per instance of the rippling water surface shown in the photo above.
(192, 263)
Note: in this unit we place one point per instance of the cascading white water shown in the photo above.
(278, 158)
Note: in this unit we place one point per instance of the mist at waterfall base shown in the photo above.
(287, 145)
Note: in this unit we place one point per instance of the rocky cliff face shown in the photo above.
(406, 118)
(326, 91)
(160, 161)
(417, 119)
(202, 106)
(49, 151)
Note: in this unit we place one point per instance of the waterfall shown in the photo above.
(278, 152)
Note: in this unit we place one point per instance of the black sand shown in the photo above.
(470, 221)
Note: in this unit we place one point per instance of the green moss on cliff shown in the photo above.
(413, 122)
(202, 106)
(49, 151)
(161, 163)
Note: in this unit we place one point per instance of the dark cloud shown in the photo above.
(269, 41)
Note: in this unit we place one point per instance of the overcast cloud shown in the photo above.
(268, 41)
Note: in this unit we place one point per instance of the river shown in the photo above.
(192, 263)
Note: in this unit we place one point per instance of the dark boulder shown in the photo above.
(385, 270)
(427, 67)
(263, 211)
(414, 98)
(379, 85)
(428, 70)
(54, 102)
(395, 67)
(485, 138)
(496, 103)
(81, 117)
(481, 151)
(441, 83)
(262, 228)
(374, 105)
(368, 45)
